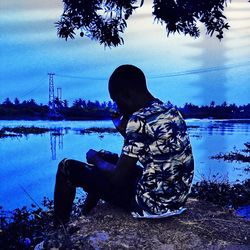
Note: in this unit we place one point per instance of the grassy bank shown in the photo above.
(24, 228)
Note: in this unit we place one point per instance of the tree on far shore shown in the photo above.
(106, 20)
(16, 101)
(7, 102)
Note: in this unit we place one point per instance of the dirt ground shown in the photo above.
(202, 226)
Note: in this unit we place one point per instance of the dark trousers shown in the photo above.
(72, 174)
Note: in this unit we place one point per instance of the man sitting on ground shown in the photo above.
(155, 134)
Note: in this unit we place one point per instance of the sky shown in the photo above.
(178, 68)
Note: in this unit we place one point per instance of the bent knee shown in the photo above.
(64, 171)
(62, 167)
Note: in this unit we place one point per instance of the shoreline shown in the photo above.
(204, 225)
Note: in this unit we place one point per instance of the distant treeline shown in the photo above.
(89, 110)
(79, 110)
(216, 111)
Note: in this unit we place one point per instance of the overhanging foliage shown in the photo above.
(106, 20)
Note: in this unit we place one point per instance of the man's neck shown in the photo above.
(143, 102)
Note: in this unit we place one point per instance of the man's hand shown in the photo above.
(92, 156)
(120, 173)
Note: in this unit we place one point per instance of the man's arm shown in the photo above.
(120, 173)
(125, 170)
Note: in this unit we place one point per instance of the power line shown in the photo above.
(31, 90)
(167, 75)
(173, 74)
(82, 77)
(198, 71)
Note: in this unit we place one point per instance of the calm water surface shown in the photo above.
(28, 164)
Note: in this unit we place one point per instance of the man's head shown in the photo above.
(127, 87)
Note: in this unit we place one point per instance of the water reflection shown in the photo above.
(211, 86)
(56, 137)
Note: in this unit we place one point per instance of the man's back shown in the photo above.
(157, 136)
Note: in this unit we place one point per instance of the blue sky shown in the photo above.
(180, 69)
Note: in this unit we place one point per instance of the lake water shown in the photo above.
(28, 164)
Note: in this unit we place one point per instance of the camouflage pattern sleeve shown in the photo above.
(134, 142)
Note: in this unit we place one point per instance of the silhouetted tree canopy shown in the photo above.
(105, 20)
(94, 110)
